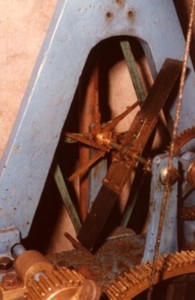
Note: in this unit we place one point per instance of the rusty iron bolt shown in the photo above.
(10, 281)
(5, 263)
(131, 14)
(172, 177)
(109, 14)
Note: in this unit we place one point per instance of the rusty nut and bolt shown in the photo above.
(172, 177)
(10, 280)
(5, 263)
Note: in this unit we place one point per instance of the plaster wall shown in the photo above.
(23, 24)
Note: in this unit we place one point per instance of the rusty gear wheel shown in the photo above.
(40, 280)
(183, 139)
(61, 283)
(133, 282)
(187, 213)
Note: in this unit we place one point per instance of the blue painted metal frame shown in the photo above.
(77, 26)
(189, 225)
(169, 238)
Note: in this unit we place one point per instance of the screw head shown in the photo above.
(5, 263)
(172, 177)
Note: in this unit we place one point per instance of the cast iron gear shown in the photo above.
(183, 138)
(138, 279)
(61, 283)
(188, 213)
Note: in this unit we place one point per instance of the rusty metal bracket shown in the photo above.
(133, 143)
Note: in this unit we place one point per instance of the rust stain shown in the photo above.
(131, 14)
(109, 15)
(118, 254)
(120, 2)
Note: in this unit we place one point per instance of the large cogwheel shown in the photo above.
(183, 138)
(138, 279)
(133, 282)
(187, 213)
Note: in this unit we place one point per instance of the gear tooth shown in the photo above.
(123, 281)
(160, 263)
(116, 290)
(149, 264)
(29, 296)
(185, 253)
(188, 256)
(110, 293)
(170, 263)
(117, 285)
(42, 286)
(180, 259)
(66, 275)
(129, 276)
(182, 138)
(51, 281)
(123, 285)
(191, 254)
(146, 269)
(184, 257)
(59, 277)
(137, 274)
(35, 294)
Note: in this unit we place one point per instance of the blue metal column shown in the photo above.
(169, 238)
